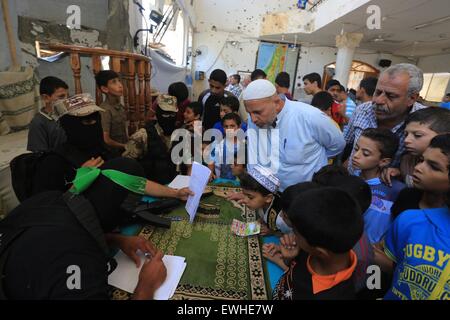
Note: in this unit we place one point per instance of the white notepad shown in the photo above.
(126, 275)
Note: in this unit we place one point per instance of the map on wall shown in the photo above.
(274, 58)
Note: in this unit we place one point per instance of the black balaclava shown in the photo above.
(88, 138)
(166, 120)
(107, 197)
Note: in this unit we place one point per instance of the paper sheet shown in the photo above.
(197, 184)
(180, 182)
(126, 275)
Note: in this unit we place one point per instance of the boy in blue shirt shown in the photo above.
(418, 243)
(228, 105)
(374, 151)
(229, 151)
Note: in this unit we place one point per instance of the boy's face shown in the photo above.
(189, 115)
(342, 96)
(255, 200)
(113, 88)
(309, 87)
(335, 91)
(367, 155)
(60, 93)
(224, 110)
(418, 138)
(432, 173)
(216, 88)
(237, 169)
(230, 126)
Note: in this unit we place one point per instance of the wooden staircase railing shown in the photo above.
(135, 70)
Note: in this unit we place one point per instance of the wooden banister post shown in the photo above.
(125, 79)
(97, 67)
(148, 92)
(141, 110)
(75, 64)
(131, 94)
(114, 64)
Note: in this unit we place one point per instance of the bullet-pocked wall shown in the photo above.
(104, 23)
(226, 32)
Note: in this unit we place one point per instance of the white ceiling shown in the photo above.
(399, 19)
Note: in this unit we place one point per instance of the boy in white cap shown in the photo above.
(260, 188)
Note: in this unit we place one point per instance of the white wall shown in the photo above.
(313, 59)
(242, 23)
(436, 64)
(235, 20)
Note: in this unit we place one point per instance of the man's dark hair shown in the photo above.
(324, 175)
(283, 80)
(352, 91)
(328, 218)
(237, 77)
(442, 142)
(230, 101)
(219, 75)
(332, 83)
(343, 89)
(232, 116)
(250, 184)
(448, 94)
(290, 193)
(258, 74)
(338, 177)
(49, 85)
(179, 90)
(369, 85)
(196, 107)
(386, 140)
(104, 76)
(314, 77)
(437, 119)
(322, 100)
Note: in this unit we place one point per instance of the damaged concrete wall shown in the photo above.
(221, 22)
(104, 23)
(5, 59)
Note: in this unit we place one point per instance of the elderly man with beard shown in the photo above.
(394, 99)
(293, 139)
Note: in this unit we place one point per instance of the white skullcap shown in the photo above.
(259, 89)
(265, 177)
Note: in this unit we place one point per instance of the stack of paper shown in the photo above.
(126, 275)
(197, 184)
(180, 182)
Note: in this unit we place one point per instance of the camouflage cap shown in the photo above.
(79, 105)
(167, 103)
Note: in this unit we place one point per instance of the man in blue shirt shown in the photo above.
(293, 139)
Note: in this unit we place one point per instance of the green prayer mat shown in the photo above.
(220, 265)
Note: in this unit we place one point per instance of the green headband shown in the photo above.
(87, 175)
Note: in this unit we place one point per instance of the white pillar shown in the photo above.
(346, 44)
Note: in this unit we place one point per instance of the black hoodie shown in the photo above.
(44, 259)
